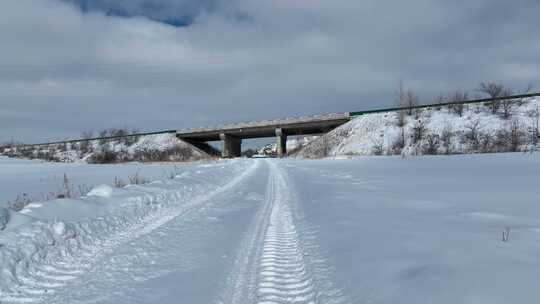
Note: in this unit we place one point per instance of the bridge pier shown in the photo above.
(281, 144)
(231, 147)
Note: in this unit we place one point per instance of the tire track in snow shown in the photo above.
(271, 266)
(43, 283)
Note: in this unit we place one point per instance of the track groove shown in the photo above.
(272, 267)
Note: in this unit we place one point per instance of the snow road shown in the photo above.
(367, 230)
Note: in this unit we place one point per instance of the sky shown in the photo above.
(68, 66)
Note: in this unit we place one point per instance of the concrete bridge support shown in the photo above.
(232, 146)
(281, 144)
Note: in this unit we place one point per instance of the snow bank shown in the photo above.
(433, 131)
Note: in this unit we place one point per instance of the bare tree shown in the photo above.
(407, 99)
(493, 90)
(458, 97)
(472, 134)
(534, 130)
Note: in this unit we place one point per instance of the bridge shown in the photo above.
(232, 135)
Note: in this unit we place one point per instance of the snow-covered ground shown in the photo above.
(364, 230)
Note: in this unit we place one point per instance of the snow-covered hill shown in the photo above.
(159, 147)
(444, 130)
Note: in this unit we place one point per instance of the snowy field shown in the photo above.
(364, 230)
(41, 180)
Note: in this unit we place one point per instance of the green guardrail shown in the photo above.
(71, 141)
(433, 105)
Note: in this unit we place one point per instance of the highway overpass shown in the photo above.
(232, 135)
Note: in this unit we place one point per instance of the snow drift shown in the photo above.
(68, 229)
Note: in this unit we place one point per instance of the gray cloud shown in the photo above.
(176, 12)
(64, 70)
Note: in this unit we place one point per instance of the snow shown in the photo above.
(379, 229)
(127, 149)
(41, 181)
(368, 133)
(101, 191)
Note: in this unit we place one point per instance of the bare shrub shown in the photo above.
(534, 130)
(446, 138)
(377, 147)
(472, 134)
(119, 183)
(171, 174)
(83, 189)
(85, 146)
(105, 156)
(486, 142)
(431, 144)
(137, 179)
(20, 202)
(506, 234)
(419, 130)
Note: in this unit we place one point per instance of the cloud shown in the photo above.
(173, 12)
(64, 70)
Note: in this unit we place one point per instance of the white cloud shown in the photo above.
(65, 71)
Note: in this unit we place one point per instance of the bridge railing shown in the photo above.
(72, 141)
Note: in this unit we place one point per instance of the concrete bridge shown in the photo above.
(231, 135)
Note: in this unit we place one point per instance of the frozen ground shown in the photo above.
(364, 230)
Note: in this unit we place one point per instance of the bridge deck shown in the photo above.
(267, 128)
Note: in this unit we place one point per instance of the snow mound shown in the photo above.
(159, 142)
(101, 191)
